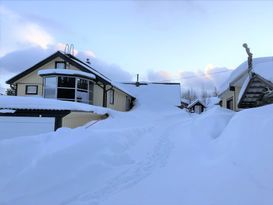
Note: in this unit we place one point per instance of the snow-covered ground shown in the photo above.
(155, 154)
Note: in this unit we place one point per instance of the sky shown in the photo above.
(196, 43)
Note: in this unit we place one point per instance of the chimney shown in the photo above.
(249, 60)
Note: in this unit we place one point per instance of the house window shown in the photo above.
(60, 65)
(66, 88)
(31, 89)
(69, 89)
(50, 87)
(82, 90)
(230, 104)
(111, 94)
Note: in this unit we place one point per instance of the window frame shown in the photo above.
(26, 90)
(63, 62)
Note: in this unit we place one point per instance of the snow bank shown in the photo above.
(154, 154)
(210, 124)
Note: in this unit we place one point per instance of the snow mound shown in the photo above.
(210, 124)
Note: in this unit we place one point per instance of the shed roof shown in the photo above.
(197, 101)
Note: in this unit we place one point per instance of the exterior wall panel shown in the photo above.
(76, 119)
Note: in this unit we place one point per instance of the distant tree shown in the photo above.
(214, 92)
(11, 90)
(189, 94)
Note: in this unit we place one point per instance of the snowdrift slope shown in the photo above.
(145, 157)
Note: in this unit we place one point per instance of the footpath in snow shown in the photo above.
(155, 154)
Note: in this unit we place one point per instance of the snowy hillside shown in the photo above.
(155, 154)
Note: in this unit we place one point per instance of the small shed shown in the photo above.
(196, 107)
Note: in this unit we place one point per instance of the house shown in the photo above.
(62, 76)
(248, 87)
(59, 91)
(196, 107)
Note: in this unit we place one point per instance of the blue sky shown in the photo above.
(159, 39)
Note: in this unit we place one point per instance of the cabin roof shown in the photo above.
(195, 102)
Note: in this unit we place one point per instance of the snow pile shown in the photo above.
(156, 97)
(155, 154)
(32, 103)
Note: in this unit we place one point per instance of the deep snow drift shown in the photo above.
(156, 154)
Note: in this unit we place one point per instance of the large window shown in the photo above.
(69, 88)
(66, 88)
(50, 89)
(66, 82)
(82, 90)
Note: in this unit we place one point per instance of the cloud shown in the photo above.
(113, 71)
(18, 31)
(209, 78)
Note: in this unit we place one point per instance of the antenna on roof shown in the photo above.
(72, 49)
(249, 60)
(69, 49)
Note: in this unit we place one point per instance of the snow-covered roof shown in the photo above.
(265, 69)
(262, 66)
(243, 88)
(195, 102)
(184, 100)
(155, 96)
(39, 103)
(66, 72)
